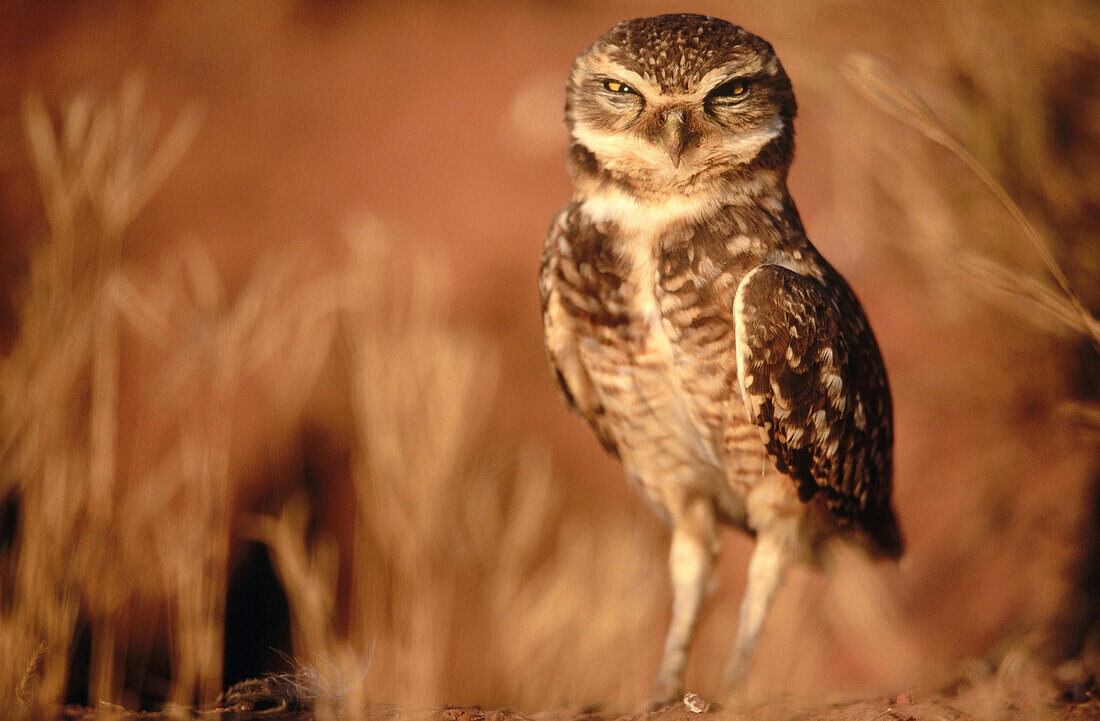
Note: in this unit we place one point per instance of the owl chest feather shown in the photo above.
(663, 359)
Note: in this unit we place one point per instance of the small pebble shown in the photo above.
(695, 703)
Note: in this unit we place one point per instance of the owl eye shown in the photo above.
(618, 88)
(730, 91)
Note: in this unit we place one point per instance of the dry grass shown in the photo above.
(462, 547)
(60, 390)
(1058, 310)
(1000, 228)
(99, 542)
(1065, 308)
(464, 553)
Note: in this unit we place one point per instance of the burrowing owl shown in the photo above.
(697, 330)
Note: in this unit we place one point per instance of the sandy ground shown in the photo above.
(898, 709)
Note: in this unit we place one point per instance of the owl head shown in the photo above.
(675, 101)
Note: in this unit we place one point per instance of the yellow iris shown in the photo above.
(616, 87)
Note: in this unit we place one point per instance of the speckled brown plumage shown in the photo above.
(692, 324)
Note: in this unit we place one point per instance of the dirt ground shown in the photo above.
(1017, 691)
(898, 709)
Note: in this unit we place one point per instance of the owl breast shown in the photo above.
(657, 338)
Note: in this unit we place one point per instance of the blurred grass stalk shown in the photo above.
(1055, 310)
(462, 547)
(881, 86)
(60, 394)
(466, 568)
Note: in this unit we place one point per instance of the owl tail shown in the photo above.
(883, 534)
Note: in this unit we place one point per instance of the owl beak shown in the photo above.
(673, 135)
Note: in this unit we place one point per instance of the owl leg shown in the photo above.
(691, 560)
(770, 559)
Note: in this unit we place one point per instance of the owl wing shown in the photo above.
(559, 333)
(812, 378)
